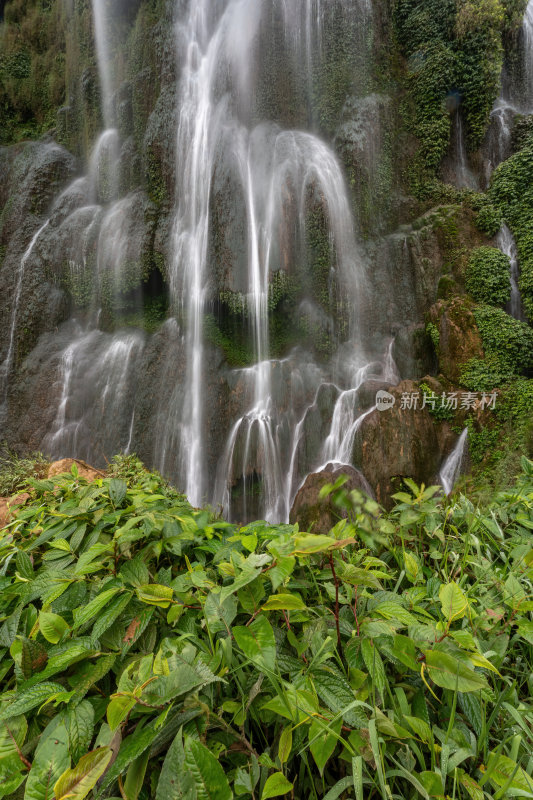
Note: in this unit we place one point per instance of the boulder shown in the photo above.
(401, 443)
(319, 516)
(84, 470)
(9, 506)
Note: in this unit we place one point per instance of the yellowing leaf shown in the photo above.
(154, 594)
(76, 783)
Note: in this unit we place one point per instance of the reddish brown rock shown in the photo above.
(9, 507)
(319, 516)
(84, 470)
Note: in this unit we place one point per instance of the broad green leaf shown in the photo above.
(76, 783)
(257, 642)
(209, 777)
(284, 602)
(504, 772)
(323, 739)
(411, 566)
(453, 601)
(374, 664)
(52, 626)
(29, 699)
(51, 759)
(118, 709)
(91, 610)
(276, 785)
(175, 781)
(249, 573)
(285, 744)
(155, 594)
(450, 673)
(135, 776)
(311, 543)
(12, 734)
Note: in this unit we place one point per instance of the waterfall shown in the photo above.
(464, 178)
(7, 363)
(101, 35)
(507, 245)
(451, 469)
(277, 171)
(527, 29)
(512, 100)
(96, 381)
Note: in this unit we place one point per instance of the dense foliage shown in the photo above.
(512, 190)
(487, 276)
(151, 650)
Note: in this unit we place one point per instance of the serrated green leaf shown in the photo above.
(91, 610)
(257, 642)
(117, 491)
(51, 759)
(209, 777)
(175, 781)
(79, 723)
(108, 616)
(29, 699)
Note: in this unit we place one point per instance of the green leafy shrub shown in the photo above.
(15, 471)
(487, 276)
(151, 651)
(505, 337)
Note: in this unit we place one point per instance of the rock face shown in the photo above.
(401, 443)
(9, 506)
(317, 515)
(459, 338)
(65, 465)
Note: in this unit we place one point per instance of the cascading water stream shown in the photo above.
(507, 245)
(7, 363)
(101, 34)
(527, 29)
(451, 469)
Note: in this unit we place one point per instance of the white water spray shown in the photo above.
(451, 469)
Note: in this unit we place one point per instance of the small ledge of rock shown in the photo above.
(84, 470)
(319, 516)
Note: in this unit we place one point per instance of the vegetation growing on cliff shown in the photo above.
(152, 650)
